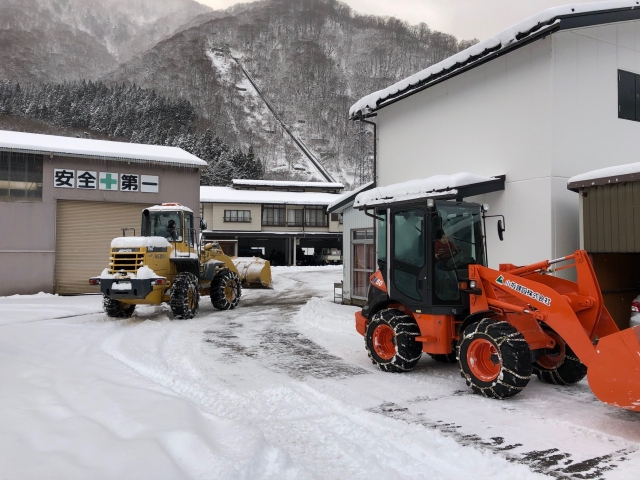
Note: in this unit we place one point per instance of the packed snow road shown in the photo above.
(280, 387)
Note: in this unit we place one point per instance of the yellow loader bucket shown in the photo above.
(614, 369)
(253, 271)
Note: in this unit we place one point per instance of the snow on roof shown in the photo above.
(348, 199)
(436, 186)
(170, 207)
(280, 183)
(84, 147)
(231, 195)
(507, 38)
(605, 176)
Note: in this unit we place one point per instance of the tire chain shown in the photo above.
(407, 352)
(502, 387)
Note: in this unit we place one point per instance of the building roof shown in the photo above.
(231, 195)
(346, 200)
(101, 149)
(459, 185)
(605, 176)
(516, 36)
(280, 183)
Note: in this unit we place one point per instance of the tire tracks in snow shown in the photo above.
(552, 461)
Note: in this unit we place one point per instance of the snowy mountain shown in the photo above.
(57, 40)
(311, 58)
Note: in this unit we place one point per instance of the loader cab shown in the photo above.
(173, 222)
(424, 250)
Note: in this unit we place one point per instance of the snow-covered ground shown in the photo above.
(280, 387)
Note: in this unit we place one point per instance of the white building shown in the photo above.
(359, 256)
(277, 220)
(549, 98)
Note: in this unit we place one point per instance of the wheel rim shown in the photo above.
(383, 340)
(553, 360)
(230, 291)
(483, 360)
(191, 298)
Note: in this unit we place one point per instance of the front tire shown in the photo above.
(226, 290)
(390, 341)
(116, 309)
(494, 358)
(185, 296)
(561, 366)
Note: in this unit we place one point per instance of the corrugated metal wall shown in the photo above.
(611, 221)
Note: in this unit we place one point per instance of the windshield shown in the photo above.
(167, 224)
(460, 230)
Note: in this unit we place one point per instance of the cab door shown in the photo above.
(409, 259)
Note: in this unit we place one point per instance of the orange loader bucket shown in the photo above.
(614, 369)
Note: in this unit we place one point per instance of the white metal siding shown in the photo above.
(352, 220)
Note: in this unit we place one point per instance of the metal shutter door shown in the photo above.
(84, 231)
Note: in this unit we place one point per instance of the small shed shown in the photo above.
(358, 247)
(610, 232)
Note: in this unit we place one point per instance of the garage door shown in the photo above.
(84, 231)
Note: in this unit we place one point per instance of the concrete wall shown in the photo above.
(27, 243)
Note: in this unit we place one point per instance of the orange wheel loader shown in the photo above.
(434, 294)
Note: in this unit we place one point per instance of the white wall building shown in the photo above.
(358, 247)
(539, 103)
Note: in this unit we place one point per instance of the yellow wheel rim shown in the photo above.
(191, 298)
(230, 291)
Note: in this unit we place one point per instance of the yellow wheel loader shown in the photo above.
(167, 265)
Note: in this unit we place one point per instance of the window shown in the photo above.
(242, 216)
(189, 229)
(382, 235)
(408, 251)
(336, 217)
(294, 217)
(315, 217)
(363, 261)
(20, 175)
(164, 223)
(628, 95)
(273, 215)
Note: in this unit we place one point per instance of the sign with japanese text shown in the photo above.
(89, 180)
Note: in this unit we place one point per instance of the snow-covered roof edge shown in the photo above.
(348, 198)
(99, 149)
(229, 195)
(531, 28)
(629, 172)
(285, 183)
(439, 186)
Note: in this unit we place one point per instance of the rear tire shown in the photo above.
(390, 341)
(494, 358)
(226, 290)
(185, 296)
(116, 309)
(562, 366)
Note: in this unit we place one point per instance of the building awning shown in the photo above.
(346, 200)
(605, 176)
(458, 186)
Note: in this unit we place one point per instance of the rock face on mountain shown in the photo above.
(57, 40)
(311, 58)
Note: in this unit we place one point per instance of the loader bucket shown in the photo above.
(614, 369)
(253, 271)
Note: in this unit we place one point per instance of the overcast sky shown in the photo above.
(465, 19)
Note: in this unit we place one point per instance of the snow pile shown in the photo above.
(607, 173)
(494, 44)
(436, 186)
(137, 242)
(83, 147)
(325, 315)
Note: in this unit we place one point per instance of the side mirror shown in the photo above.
(203, 224)
(501, 230)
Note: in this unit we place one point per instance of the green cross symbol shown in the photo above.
(108, 181)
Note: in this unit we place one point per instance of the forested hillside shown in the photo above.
(312, 59)
(129, 113)
(56, 40)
